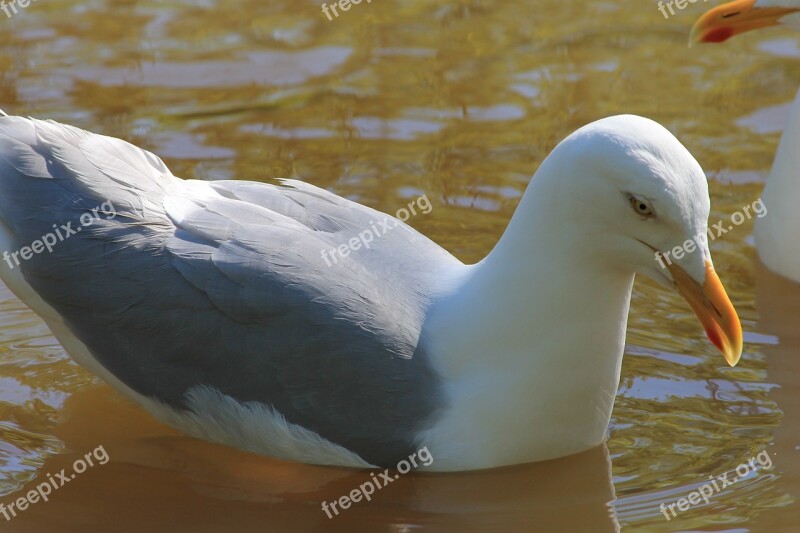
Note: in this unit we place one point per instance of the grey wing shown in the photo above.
(222, 285)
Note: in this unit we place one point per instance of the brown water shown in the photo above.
(459, 100)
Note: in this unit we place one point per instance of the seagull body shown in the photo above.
(776, 234)
(208, 303)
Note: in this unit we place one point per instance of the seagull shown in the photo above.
(776, 234)
(208, 302)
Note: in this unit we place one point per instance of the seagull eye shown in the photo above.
(641, 206)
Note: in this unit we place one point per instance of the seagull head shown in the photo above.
(727, 20)
(646, 203)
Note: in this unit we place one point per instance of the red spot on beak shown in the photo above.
(715, 339)
(718, 35)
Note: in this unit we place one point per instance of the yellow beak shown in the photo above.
(733, 18)
(712, 306)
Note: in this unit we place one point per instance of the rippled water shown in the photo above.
(460, 101)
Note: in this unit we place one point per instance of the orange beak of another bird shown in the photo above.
(733, 18)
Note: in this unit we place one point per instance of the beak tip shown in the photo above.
(694, 37)
(732, 349)
(735, 354)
